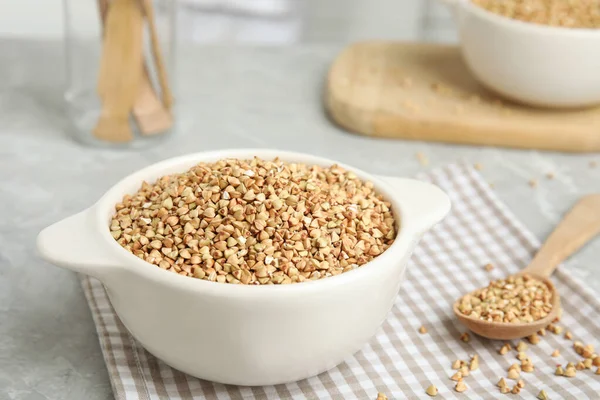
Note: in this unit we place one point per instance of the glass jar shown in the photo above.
(119, 55)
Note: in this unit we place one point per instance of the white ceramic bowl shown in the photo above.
(529, 63)
(244, 335)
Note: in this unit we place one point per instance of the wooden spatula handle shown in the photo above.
(580, 225)
(149, 113)
(120, 70)
(102, 11)
(167, 96)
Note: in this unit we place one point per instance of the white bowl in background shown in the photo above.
(530, 63)
(235, 334)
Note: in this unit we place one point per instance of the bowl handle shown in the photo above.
(425, 202)
(75, 244)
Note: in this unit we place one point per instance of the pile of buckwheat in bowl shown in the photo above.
(256, 222)
(561, 13)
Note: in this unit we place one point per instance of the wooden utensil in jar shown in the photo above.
(120, 70)
(151, 116)
(167, 96)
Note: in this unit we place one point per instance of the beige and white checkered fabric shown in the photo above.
(399, 361)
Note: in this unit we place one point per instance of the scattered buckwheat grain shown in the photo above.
(441, 88)
(513, 374)
(504, 349)
(522, 346)
(568, 335)
(580, 366)
(559, 371)
(457, 364)
(474, 364)
(255, 222)
(598, 371)
(432, 391)
(516, 390)
(527, 366)
(501, 383)
(489, 267)
(422, 158)
(464, 370)
(457, 376)
(557, 318)
(533, 339)
(460, 387)
(578, 347)
(587, 363)
(597, 361)
(556, 353)
(516, 299)
(570, 371)
(465, 337)
(542, 332)
(422, 330)
(381, 396)
(550, 175)
(557, 330)
(542, 395)
(533, 183)
(521, 383)
(521, 356)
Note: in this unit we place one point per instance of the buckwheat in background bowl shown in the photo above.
(531, 63)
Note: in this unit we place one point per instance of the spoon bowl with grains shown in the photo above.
(249, 267)
(522, 304)
(538, 52)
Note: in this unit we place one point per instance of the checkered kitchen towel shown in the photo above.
(399, 361)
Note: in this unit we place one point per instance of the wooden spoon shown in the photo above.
(167, 96)
(120, 70)
(102, 11)
(151, 116)
(149, 113)
(580, 225)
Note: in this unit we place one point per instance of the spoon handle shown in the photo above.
(580, 225)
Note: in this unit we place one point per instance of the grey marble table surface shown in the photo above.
(241, 97)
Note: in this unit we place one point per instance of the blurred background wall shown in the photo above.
(263, 21)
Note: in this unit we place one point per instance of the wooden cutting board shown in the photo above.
(425, 92)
